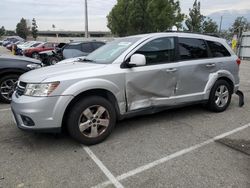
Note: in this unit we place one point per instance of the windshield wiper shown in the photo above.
(85, 60)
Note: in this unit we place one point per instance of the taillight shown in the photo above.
(238, 61)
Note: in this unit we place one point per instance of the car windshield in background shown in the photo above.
(109, 52)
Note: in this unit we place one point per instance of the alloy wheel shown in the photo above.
(221, 96)
(94, 121)
(7, 88)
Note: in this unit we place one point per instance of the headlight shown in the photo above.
(40, 90)
(34, 66)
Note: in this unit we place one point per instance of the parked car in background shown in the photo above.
(129, 76)
(34, 51)
(9, 46)
(51, 57)
(11, 39)
(28, 45)
(11, 67)
(77, 49)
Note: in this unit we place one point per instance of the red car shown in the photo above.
(34, 52)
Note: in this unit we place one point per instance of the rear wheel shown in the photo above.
(220, 96)
(7, 86)
(91, 120)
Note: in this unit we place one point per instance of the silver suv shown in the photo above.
(130, 76)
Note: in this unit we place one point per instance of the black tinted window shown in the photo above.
(191, 48)
(217, 49)
(86, 47)
(160, 50)
(97, 45)
(74, 46)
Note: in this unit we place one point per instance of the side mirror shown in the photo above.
(137, 60)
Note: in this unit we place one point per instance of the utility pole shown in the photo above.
(86, 20)
(221, 18)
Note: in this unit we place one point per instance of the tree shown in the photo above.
(209, 26)
(118, 18)
(142, 16)
(195, 20)
(2, 31)
(22, 29)
(164, 14)
(34, 29)
(139, 18)
(240, 25)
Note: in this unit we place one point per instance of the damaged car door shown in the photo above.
(154, 83)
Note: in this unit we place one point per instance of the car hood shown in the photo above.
(20, 58)
(59, 71)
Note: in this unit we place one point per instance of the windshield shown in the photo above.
(109, 52)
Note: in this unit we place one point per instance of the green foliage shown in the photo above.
(209, 26)
(142, 16)
(2, 31)
(34, 29)
(240, 25)
(195, 19)
(10, 33)
(196, 22)
(164, 14)
(22, 29)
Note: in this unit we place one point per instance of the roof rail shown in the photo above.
(208, 34)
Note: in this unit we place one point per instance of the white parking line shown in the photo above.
(5, 109)
(172, 156)
(104, 169)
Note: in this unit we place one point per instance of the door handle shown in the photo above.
(171, 70)
(210, 65)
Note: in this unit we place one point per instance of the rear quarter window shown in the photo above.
(217, 49)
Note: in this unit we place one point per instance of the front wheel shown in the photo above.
(7, 86)
(220, 96)
(91, 120)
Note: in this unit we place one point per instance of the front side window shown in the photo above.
(191, 48)
(161, 50)
(217, 49)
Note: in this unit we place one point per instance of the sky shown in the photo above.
(69, 14)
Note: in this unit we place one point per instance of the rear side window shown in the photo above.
(158, 51)
(86, 47)
(217, 49)
(74, 46)
(191, 48)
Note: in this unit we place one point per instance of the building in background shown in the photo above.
(244, 51)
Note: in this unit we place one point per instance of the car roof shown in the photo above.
(178, 34)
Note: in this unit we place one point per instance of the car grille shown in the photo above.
(20, 88)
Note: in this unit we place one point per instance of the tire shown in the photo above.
(53, 60)
(220, 96)
(7, 87)
(92, 130)
(35, 55)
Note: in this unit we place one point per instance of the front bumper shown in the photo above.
(46, 113)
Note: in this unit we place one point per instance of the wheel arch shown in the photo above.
(220, 75)
(91, 92)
